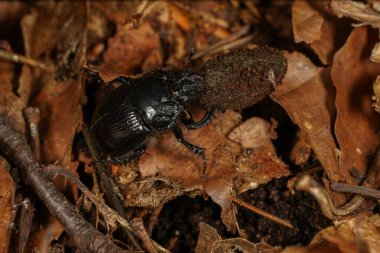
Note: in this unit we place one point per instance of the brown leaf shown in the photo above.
(128, 50)
(206, 238)
(209, 241)
(254, 133)
(307, 94)
(226, 161)
(360, 234)
(60, 27)
(241, 245)
(301, 150)
(313, 24)
(7, 195)
(307, 22)
(365, 13)
(357, 125)
(14, 99)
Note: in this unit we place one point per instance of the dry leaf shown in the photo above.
(307, 22)
(128, 50)
(356, 10)
(206, 238)
(357, 235)
(61, 94)
(367, 14)
(316, 26)
(357, 124)
(308, 96)
(209, 241)
(254, 133)
(301, 150)
(7, 198)
(226, 161)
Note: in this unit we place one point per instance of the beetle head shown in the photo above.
(185, 86)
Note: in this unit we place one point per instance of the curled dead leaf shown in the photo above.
(130, 49)
(254, 133)
(301, 150)
(307, 94)
(315, 25)
(360, 234)
(357, 124)
(7, 199)
(209, 241)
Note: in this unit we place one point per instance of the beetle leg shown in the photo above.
(195, 149)
(190, 124)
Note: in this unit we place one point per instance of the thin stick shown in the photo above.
(16, 150)
(340, 187)
(138, 223)
(261, 212)
(17, 58)
(306, 183)
(107, 184)
(223, 44)
(153, 219)
(32, 116)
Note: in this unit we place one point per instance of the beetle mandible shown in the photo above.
(126, 118)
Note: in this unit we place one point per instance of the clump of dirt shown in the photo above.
(242, 77)
(300, 209)
(178, 224)
(177, 228)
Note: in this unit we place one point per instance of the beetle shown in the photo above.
(138, 108)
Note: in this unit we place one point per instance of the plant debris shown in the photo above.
(296, 135)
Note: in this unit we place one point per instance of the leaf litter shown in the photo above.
(330, 92)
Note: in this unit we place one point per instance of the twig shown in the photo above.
(138, 223)
(340, 187)
(261, 212)
(14, 148)
(225, 44)
(306, 183)
(153, 218)
(32, 116)
(17, 58)
(24, 224)
(370, 183)
(107, 184)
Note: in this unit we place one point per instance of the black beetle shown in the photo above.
(138, 108)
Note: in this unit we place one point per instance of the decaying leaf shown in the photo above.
(209, 241)
(230, 166)
(357, 124)
(307, 94)
(123, 57)
(362, 12)
(360, 234)
(365, 13)
(301, 150)
(7, 198)
(60, 94)
(14, 97)
(313, 24)
(307, 22)
(254, 133)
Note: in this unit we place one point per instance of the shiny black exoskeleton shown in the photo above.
(127, 117)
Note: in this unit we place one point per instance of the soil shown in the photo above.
(177, 227)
